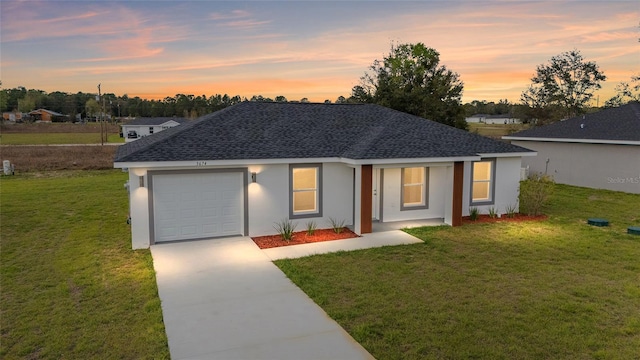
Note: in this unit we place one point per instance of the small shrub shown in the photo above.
(337, 225)
(493, 213)
(474, 213)
(534, 193)
(285, 228)
(311, 227)
(511, 211)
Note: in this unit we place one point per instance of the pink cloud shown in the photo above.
(114, 32)
(235, 14)
(238, 19)
(245, 23)
(14, 28)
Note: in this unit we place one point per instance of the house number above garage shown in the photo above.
(201, 163)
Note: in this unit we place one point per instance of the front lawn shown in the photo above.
(496, 130)
(538, 290)
(72, 288)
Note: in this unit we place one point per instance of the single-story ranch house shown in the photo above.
(599, 150)
(142, 127)
(45, 115)
(242, 169)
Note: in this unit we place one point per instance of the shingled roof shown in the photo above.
(620, 124)
(262, 130)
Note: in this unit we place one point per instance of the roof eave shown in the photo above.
(348, 161)
(408, 160)
(218, 163)
(512, 154)
(569, 140)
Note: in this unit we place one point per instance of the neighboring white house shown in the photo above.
(493, 119)
(142, 127)
(13, 116)
(599, 150)
(242, 169)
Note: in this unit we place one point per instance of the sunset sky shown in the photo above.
(317, 50)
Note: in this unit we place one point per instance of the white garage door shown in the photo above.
(193, 206)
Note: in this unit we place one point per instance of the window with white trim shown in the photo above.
(414, 188)
(305, 182)
(482, 183)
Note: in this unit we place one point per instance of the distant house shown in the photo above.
(45, 115)
(493, 119)
(599, 150)
(13, 116)
(142, 127)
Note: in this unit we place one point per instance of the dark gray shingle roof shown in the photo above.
(148, 121)
(621, 123)
(259, 130)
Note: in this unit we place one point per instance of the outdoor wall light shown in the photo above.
(253, 177)
(141, 178)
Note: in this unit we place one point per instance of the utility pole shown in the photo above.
(101, 113)
(104, 121)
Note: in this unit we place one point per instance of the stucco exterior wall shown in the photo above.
(268, 199)
(599, 166)
(436, 200)
(138, 210)
(506, 187)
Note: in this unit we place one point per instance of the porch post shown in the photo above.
(456, 209)
(357, 202)
(366, 196)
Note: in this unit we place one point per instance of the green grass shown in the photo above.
(556, 289)
(71, 286)
(496, 130)
(55, 138)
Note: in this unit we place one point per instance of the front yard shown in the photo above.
(72, 288)
(551, 289)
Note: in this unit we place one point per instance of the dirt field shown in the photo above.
(50, 158)
(42, 158)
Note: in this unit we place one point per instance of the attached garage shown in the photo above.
(197, 205)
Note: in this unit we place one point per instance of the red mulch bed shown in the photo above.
(301, 237)
(504, 218)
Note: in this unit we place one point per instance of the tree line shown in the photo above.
(86, 105)
(180, 105)
(409, 79)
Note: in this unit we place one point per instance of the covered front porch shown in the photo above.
(378, 226)
(382, 192)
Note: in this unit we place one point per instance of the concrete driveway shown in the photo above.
(225, 299)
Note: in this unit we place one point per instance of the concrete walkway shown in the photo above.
(378, 239)
(225, 299)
